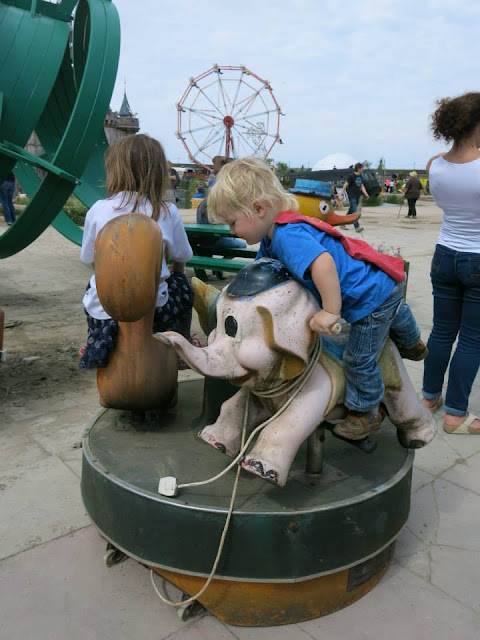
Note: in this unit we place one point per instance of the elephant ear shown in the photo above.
(205, 304)
(292, 342)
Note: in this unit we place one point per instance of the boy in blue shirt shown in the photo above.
(248, 197)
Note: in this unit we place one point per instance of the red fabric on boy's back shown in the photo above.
(358, 249)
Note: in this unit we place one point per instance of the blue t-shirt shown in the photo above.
(363, 286)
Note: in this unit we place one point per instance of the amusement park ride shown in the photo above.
(286, 531)
(228, 111)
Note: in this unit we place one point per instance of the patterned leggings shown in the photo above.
(175, 315)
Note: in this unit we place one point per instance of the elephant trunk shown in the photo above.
(217, 360)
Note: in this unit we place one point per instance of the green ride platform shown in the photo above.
(342, 522)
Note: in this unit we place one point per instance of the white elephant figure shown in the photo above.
(261, 339)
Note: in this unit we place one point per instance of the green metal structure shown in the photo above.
(58, 64)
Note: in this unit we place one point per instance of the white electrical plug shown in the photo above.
(168, 486)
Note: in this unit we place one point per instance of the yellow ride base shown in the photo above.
(263, 604)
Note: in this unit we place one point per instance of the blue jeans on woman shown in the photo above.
(353, 208)
(456, 312)
(394, 319)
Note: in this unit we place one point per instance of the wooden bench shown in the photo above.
(217, 260)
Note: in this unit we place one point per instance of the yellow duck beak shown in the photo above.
(322, 208)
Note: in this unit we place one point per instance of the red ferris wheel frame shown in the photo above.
(223, 119)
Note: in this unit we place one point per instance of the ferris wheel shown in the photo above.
(230, 112)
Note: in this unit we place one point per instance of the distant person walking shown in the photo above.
(7, 192)
(355, 187)
(412, 190)
(454, 179)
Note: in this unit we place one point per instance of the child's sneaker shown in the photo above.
(418, 352)
(358, 425)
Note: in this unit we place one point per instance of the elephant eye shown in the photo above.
(231, 326)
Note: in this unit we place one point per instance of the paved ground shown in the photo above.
(53, 582)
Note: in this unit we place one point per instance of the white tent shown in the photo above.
(334, 160)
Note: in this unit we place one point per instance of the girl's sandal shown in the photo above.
(464, 427)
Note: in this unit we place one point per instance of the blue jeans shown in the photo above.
(392, 318)
(353, 208)
(456, 312)
(7, 191)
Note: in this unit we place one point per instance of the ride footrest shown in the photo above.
(367, 444)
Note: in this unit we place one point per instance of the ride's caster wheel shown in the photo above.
(113, 555)
(219, 275)
(191, 610)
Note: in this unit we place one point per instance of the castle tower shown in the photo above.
(118, 124)
(121, 123)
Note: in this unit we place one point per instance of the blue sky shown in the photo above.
(355, 77)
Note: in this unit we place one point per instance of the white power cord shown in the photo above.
(222, 539)
(171, 483)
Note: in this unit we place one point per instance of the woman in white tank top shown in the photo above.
(454, 179)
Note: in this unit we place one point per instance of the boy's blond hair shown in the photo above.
(243, 181)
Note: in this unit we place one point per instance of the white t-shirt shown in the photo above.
(456, 189)
(174, 239)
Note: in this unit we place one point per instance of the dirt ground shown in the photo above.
(40, 291)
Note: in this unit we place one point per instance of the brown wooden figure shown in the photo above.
(142, 372)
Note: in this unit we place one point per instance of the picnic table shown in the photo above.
(202, 238)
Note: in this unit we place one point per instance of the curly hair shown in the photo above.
(456, 118)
